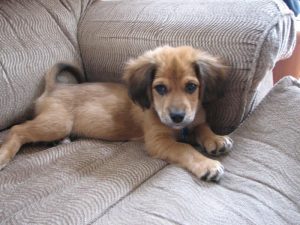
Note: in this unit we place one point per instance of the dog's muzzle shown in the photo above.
(178, 119)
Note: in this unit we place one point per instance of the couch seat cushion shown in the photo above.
(95, 182)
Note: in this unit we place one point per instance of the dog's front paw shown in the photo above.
(217, 145)
(209, 170)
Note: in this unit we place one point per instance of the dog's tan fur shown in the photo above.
(105, 111)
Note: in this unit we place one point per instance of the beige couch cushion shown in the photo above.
(33, 36)
(36, 34)
(251, 36)
(95, 182)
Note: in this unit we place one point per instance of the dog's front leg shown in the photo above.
(212, 143)
(160, 143)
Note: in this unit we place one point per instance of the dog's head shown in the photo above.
(174, 82)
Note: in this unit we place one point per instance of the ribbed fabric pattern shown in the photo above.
(72, 183)
(251, 36)
(94, 182)
(261, 184)
(33, 36)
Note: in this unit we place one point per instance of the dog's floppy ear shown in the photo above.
(212, 73)
(139, 75)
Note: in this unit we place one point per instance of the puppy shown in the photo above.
(161, 105)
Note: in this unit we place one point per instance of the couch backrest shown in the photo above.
(250, 35)
(33, 36)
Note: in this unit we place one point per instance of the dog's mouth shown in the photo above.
(176, 126)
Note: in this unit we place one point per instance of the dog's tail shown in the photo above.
(52, 74)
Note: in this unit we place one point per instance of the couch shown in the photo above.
(96, 182)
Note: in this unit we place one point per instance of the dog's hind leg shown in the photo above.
(45, 127)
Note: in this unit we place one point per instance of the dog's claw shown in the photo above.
(205, 176)
(214, 152)
(4, 159)
(222, 150)
(210, 170)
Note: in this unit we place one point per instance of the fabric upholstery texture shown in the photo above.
(33, 36)
(95, 182)
(36, 34)
(250, 36)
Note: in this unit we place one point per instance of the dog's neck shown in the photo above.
(184, 134)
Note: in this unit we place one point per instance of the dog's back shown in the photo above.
(97, 110)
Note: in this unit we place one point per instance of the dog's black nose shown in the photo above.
(177, 117)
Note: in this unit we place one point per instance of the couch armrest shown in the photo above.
(250, 35)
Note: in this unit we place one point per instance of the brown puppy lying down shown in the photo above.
(166, 87)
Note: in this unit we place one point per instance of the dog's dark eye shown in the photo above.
(161, 89)
(190, 88)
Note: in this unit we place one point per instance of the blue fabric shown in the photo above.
(294, 5)
(184, 133)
